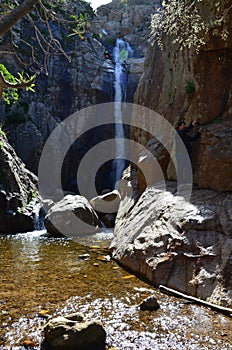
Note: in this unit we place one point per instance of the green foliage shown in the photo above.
(31, 195)
(218, 120)
(20, 210)
(24, 78)
(188, 22)
(110, 41)
(189, 87)
(82, 25)
(2, 133)
(124, 2)
(97, 36)
(9, 95)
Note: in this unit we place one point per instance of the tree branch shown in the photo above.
(15, 15)
(6, 84)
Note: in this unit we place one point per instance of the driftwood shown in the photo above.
(195, 300)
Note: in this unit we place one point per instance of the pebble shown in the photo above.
(84, 256)
(149, 304)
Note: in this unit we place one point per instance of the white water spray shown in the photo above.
(122, 51)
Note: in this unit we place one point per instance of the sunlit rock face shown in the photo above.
(72, 216)
(182, 245)
(165, 87)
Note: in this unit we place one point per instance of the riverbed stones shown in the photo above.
(149, 304)
(72, 216)
(72, 332)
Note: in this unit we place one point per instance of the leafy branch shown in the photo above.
(42, 20)
(9, 84)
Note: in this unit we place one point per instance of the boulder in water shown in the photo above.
(149, 304)
(71, 332)
(107, 206)
(72, 216)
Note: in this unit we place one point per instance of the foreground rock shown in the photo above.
(72, 216)
(18, 192)
(187, 247)
(72, 332)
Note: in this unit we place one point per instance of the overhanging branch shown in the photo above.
(15, 15)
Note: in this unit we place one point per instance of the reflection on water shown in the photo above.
(44, 276)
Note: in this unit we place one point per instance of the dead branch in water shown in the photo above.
(221, 309)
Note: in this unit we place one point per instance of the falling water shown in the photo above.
(39, 214)
(121, 53)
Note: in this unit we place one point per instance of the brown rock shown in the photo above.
(213, 158)
(72, 332)
(149, 304)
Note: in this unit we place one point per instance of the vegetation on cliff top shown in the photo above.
(189, 22)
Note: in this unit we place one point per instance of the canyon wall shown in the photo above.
(166, 239)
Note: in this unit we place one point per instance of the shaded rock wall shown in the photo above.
(66, 89)
(69, 87)
(18, 192)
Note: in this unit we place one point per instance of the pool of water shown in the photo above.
(43, 277)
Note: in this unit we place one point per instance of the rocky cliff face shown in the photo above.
(87, 80)
(190, 85)
(160, 236)
(19, 204)
(67, 88)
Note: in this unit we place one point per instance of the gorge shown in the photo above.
(158, 235)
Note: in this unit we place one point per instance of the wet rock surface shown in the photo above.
(149, 304)
(71, 332)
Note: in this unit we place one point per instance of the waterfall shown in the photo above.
(39, 214)
(122, 51)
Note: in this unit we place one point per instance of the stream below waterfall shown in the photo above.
(43, 277)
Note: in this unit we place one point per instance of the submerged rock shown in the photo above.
(71, 332)
(185, 246)
(149, 304)
(72, 216)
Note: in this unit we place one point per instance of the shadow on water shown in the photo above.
(42, 277)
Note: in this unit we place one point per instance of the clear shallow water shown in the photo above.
(47, 277)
